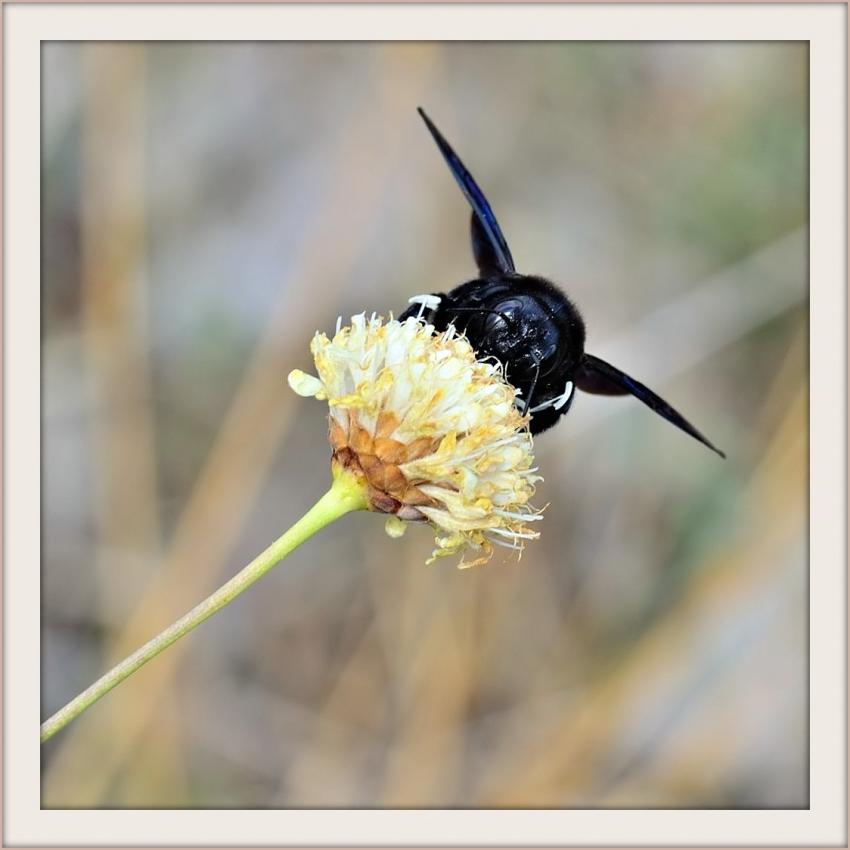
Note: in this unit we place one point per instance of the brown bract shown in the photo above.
(378, 459)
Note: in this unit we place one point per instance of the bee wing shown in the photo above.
(601, 378)
(488, 261)
(488, 244)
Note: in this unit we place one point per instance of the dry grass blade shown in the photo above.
(722, 309)
(250, 434)
(116, 337)
(558, 764)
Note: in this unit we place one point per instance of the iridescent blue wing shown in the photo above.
(601, 378)
(488, 244)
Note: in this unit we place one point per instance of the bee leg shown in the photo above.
(558, 402)
(425, 302)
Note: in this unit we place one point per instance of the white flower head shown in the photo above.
(435, 433)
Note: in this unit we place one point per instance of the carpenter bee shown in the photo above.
(526, 323)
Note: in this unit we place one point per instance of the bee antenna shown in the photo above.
(533, 384)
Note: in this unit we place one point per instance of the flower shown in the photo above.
(435, 434)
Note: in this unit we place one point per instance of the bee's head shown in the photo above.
(524, 336)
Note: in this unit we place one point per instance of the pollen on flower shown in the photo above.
(435, 433)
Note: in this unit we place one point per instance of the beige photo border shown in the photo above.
(824, 26)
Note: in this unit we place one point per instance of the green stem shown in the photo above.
(346, 494)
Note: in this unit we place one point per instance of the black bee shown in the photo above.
(526, 323)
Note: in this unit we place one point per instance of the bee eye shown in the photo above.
(504, 315)
(494, 322)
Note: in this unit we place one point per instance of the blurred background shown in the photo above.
(207, 207)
